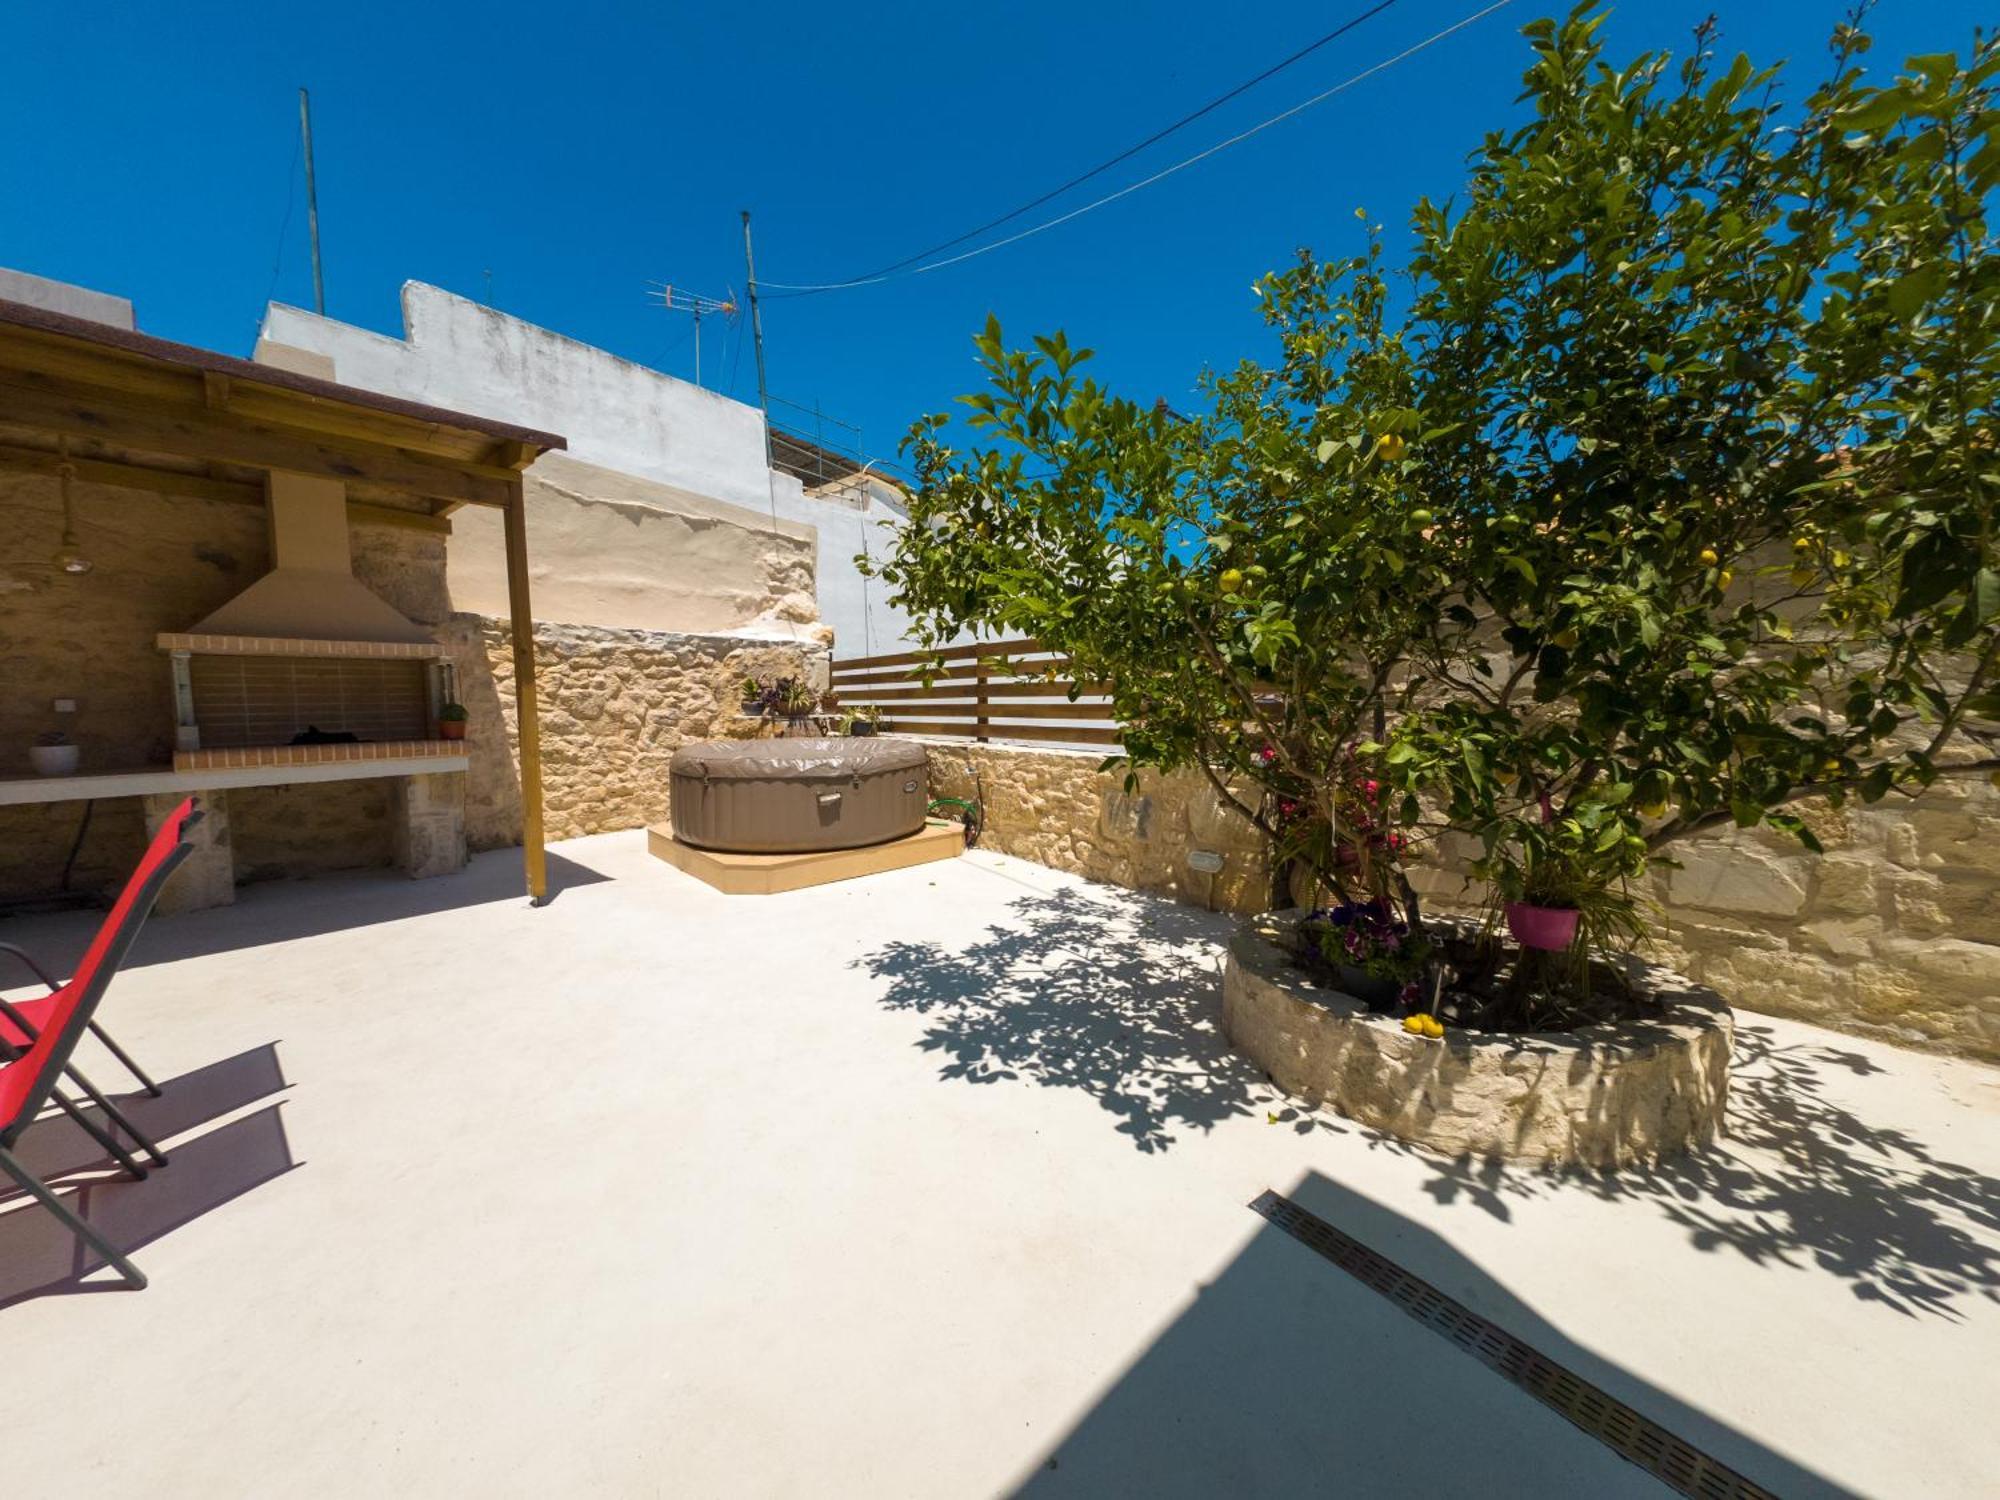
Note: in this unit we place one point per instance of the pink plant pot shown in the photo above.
(1551, 928)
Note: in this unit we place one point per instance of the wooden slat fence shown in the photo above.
(997, 690)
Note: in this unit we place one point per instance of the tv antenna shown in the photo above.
(680, 299)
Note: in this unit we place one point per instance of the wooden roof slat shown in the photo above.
(197, 432)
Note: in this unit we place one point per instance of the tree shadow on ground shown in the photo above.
(1107, 993)
(1801, 1180)
(1118, 996)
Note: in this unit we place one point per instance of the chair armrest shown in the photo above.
(39, 972)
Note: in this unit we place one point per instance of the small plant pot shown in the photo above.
(53, 760)
(1549, 928)
(1377, 994)
(860, 731)
(451, 729)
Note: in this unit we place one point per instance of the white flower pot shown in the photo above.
(53, 760)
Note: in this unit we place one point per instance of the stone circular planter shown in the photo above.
(1602, 1096)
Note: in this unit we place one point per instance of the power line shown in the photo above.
(1131, 151)
(284, 228)
(795, 290)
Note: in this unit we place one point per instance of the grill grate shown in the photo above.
(1681, 1467)
(265, 700)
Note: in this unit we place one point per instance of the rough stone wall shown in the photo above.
(1894, 932)
(615, 704)
(158, 563)
(1056, 808)
(312, 828)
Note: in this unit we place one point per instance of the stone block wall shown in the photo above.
(1056, 808)
(1894, 932)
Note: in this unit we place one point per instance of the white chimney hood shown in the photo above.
(311, 593)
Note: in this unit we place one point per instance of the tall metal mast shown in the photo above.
(312, 202)
(757, 335)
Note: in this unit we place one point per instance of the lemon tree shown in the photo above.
(1660, 493)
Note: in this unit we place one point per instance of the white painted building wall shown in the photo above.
(458, 354)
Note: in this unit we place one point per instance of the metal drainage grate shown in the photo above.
(1683, 1468)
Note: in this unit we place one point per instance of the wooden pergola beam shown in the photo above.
(527, 716)
(63, 359)
(133, 476)
(225, 436)
(199, 486)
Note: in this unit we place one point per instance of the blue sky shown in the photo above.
(578, 152)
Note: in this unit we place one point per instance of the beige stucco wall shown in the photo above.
(1056, 808)
(612, 550)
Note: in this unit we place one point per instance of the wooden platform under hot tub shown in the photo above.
(767, 874)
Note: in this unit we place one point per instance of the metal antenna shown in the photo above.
(757, 334)
(312, 202)
(680, 299)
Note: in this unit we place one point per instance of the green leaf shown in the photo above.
(1884, 109)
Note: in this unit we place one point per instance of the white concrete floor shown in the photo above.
(931, 1184)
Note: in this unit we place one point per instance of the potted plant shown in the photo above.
(794, 698)
(859, 723)
(52, 754)
(1564, 877)
(451, 721)
(753, 696)
(1369, 951)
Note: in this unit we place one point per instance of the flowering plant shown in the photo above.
(1370, 937)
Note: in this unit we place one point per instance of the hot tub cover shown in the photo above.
(802, 759)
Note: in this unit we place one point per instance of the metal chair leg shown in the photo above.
(134, 1277)
(119, 1052)
(99, 1134)
(116, 1116)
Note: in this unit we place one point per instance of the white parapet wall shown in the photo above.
(617, 415)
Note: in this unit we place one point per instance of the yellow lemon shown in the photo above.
(1232, 580)
(1710, 557)
(1565, 638)
(1414, 1025)
(1802, 544)
(1433, 1028)
(1724, 579)
(1652, 809)
(1390, 446)
(1422, 517)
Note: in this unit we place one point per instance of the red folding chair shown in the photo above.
(28, 1079)
(21, 1021)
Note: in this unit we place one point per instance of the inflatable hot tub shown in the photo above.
(795, 796)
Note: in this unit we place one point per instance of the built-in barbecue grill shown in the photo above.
(307, 665)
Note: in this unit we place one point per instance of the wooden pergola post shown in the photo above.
(528, 729)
